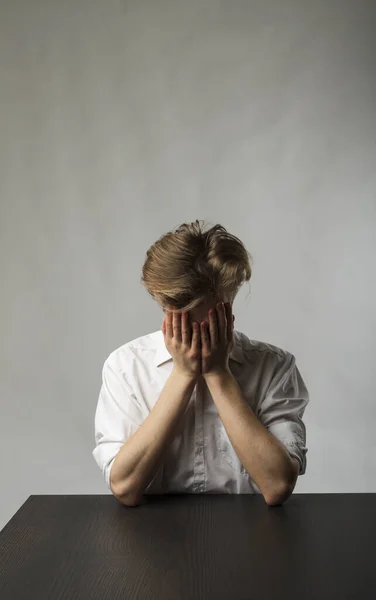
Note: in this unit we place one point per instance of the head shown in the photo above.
(192, 268)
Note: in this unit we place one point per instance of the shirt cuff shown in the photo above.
(292, 436)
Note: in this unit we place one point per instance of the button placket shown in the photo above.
(199, 463)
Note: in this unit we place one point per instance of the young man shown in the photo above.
(198, 407)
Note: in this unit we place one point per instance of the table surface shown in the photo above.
(190, 547)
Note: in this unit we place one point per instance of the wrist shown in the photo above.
(188, 377)
(218, 375)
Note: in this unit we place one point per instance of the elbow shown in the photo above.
(278, 496)
(131, 500)
(282, 492)
(126, 493)
(275, 500)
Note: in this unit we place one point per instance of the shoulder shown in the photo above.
(264, 352)
(140, 349)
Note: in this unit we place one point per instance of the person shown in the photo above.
(198, 406)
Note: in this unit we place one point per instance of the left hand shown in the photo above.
(217, 340)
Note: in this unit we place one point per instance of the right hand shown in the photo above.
(183, 344)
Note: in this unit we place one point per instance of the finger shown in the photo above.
(204, 336)
(222, 325)
(196, 338)
(176, 323)
(230, 320)
(213, 328)
(169, 328)
(185, 329)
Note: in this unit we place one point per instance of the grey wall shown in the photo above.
(121, 120)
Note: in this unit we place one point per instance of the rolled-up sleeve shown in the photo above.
(118, 415)
(281, 411)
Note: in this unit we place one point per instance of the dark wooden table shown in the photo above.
(191, 547)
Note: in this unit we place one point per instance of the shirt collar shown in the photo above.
(162, 354)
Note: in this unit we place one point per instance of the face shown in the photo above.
(201, 312)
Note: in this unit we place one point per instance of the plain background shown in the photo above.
(122, 120)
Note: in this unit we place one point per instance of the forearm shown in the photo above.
(264, 457)
(141, 455)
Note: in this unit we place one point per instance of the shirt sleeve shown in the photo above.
(117, 417)
(282, 409)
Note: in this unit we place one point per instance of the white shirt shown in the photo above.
(201, 458)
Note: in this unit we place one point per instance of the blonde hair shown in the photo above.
(185, 266)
